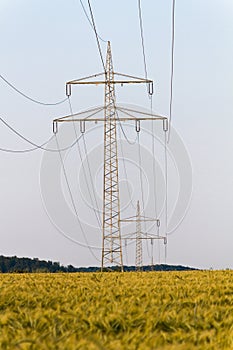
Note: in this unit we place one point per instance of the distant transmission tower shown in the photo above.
(138, 236)
(111, 236)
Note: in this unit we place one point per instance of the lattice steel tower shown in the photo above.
(111, 245)
(111, 233)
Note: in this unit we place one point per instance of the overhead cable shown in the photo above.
(91, 24)
(36, 147)
(154, 178)
(166, 189)
(172, 67)
(29, 98)
(94, 205)
(143, 45)
(96, 34)
(142, 37)
(123, 132)
(140, 173)
(125, 170)
(154, 162)
(72, 200)
(141, 185)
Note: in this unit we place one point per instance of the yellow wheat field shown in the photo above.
(145, 310)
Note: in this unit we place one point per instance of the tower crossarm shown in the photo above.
(91, 80)
(91, 115)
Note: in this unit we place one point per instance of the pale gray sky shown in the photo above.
(44, 44)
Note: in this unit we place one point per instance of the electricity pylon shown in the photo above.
(138, 236)
(111, 233)
(138, 260)
(111, 239)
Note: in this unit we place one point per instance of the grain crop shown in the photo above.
(110, 311)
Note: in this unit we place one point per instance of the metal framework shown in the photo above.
(111, 238)
(111, 231)
(139, 236)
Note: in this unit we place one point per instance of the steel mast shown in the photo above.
(111, 233)
(111, 239)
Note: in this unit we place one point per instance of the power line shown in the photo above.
(27, 150)
(166, 189)
(143, 45)
(154, 178)
(151, 102)
(154, 164)
(36, 147)
(96, 34)
(142, 37)
(21, 136)
(125, 171)
(97, 210)
(167, 138)
(72, 200)
(123, 132)
(141, 185)
(94, 205)
(125, 136)
(172, 67)
(85, 12)
(140, 173)
(170, 112)
(29, 98)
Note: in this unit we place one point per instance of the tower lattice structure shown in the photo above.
(111, 232)
(111, 244)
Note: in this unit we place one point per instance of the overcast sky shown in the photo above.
(46, 43)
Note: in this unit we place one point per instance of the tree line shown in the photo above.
(14, 264)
